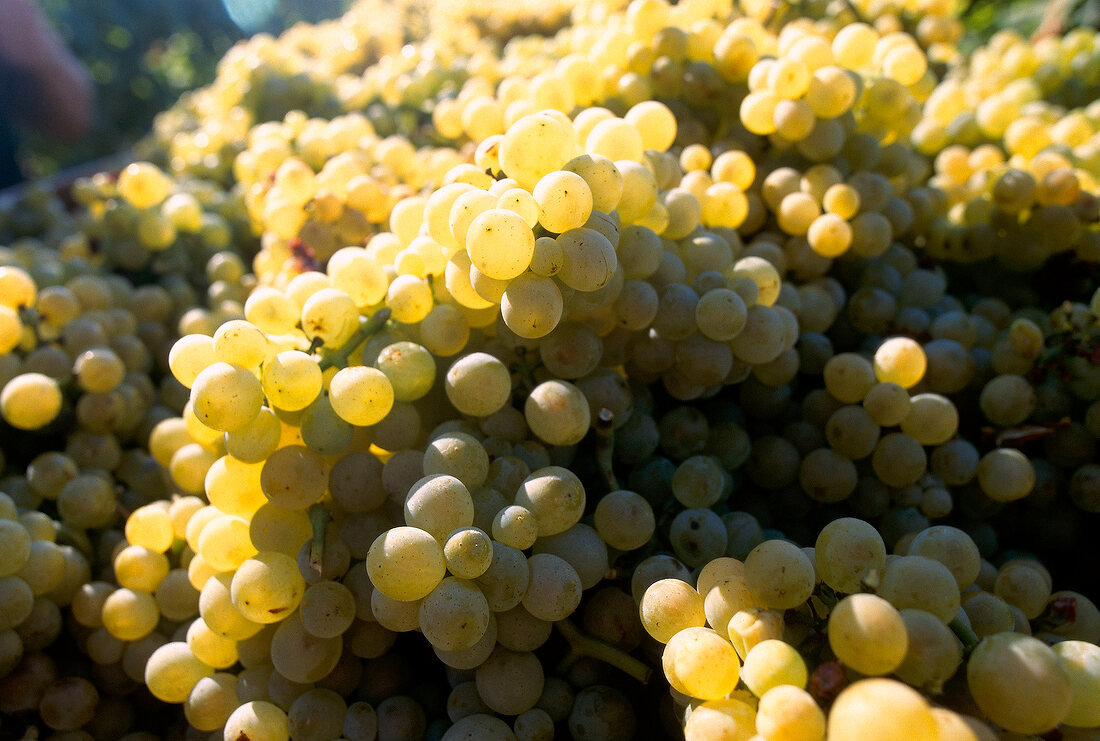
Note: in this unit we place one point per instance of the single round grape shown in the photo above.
(172, 672)
(257, 720)
(700, 663)
(779, 574)
(879, 709)
(1019, 683)
(406, 563)
(847, 551)
(867, 633)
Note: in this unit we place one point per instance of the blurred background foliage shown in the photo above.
(144, 53)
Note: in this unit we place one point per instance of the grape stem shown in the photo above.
(368, 326)
(605, 446)
(582, 644)
(964, 633)
(319, 518)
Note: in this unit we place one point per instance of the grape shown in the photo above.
(212, 700)
(581, 547)
(454, 615)
(1005, 474)
(698, 535)
(173, 671)
(1006, 667)
(30, 401)
(469, 552)
(478, 384)
(258, 720)
(505, 582)
(771, 664)
(933, 654)
(554, 587)
(478, 726)
(624, 519)
(778, 574)
(878, 709)
(916, 581)
(510, 682)
(439, 504)
(868, 634)
(459, 456)
(951, 547)
(700, 663)
(291, 380)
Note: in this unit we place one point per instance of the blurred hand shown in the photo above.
(57, 96)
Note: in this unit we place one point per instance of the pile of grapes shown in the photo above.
(726, 371)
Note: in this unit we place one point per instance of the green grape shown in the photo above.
(779, 574)
(554, 587)
(478, 384)
(15, 547)
(723, 718)
(847, 551)
(932, 419)
(933, 653)
(589, 259)
(899, 460)
(555, 496)
(258, 720)
(410, 369)
(700, 663)
(454, 615)
(212, 700)
(624, 519)
(1006, 474)
(582, 548)
(1081, 660)
(868, 634)
(291, 380)
(392, 614)
(172, 672)
(459, 455)
(922, 583)
(532, 147)
(887, 403)
(531, 306)
(698, 535)
(1007, 400)
(317, 714)
(849, 377)
(510, 682)
(267, 587)
(603, 178)
(469, 552)
(360, 395)
(1019, 683)
(30, 401)
(406, 563)
(140, 568)
(789, 712)
(564, 200)
(669, 605)
(210, 648)
(951, 547)
(439, 504)
(1024, 584)
(878, 709)
(294, 477)
(771, 664)
(505, 582)
(299, 656)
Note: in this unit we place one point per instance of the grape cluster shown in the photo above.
(453, 385)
